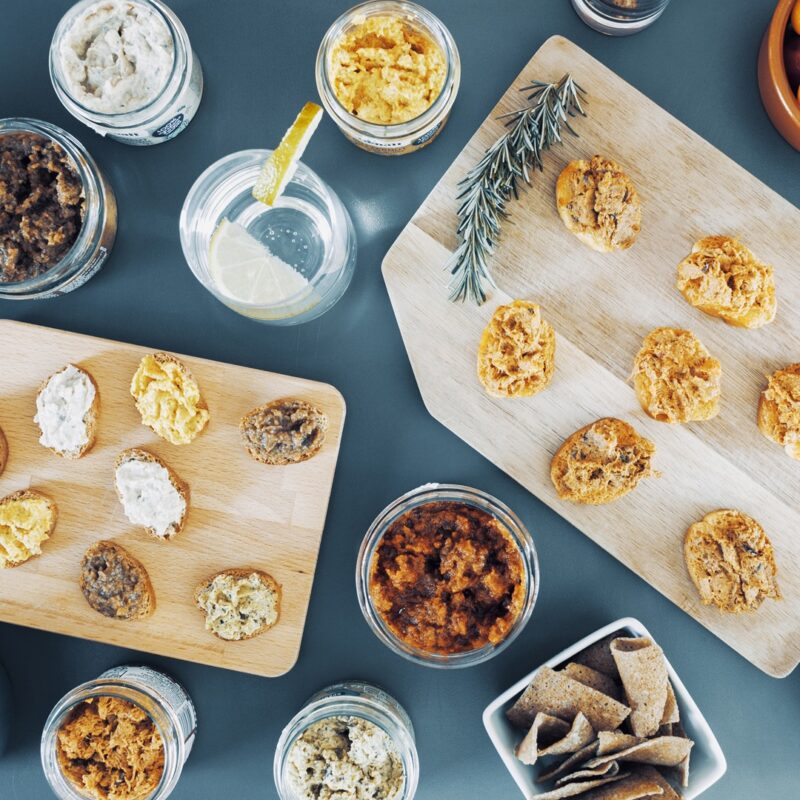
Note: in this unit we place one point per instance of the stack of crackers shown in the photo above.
(607, 724)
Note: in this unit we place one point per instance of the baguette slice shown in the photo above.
(152, 495)
(239, 603)
(27, 519)
(115, 584)
(67, 408)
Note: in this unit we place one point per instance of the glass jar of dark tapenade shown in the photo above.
(58, 215)
(447, 576)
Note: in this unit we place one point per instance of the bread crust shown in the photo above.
(32, 494)
(598, 203)
(90, 418)
(3, 451)
(675, 377)
(240, 573)
(516, 353)
(731, 561)
(724, 279)
(268, 432)
(601, 462)
(146, 604)
(138, 454)
(778, 414)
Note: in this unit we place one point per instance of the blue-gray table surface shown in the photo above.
(698, 62)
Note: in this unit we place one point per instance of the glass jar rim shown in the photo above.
(180, 41)
(204, 186)
(434, 27)
(366, 708)
(431, 493)
(94, 204)
(173, 744)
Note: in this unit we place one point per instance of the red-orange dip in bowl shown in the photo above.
(447, 577)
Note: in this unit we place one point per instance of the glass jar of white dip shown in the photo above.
(126, 69)
(353, 703)
(163, 699)
(99, 223)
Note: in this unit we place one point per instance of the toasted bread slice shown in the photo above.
(516, 354)
(239, 603)
(67, 409)
(27, 519)
(284, 432)
(152, 495)
(779, 409)
(723, 278)
(115, 584)
(598, 202)
(731, 561)
(675, 377)
(601, 462)
(168, 398)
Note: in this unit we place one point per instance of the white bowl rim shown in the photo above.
(705, 736)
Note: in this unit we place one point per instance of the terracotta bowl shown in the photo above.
(781, 103)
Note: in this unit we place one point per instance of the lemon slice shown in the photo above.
(246, 271)
(280, 167)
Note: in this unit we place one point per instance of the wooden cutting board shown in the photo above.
(602, 305)
(241, 513)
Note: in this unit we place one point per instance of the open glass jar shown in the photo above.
(98, 227)
(351, 699)
(308, 228)
(163, 699)
(157, 118)
(403, 137)
(619, 17)
(515, 534)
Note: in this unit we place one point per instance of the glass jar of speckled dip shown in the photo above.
(366, 730)
(172, 720)
(98, 225)
(126, 69)
(419, 37)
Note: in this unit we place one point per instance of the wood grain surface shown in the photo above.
(602, 306)
(241, 513)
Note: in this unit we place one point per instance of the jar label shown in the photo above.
(169, 691)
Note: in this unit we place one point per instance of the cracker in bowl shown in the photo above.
(516, 354)
(67, 408)
(598, 202)
(239, 603)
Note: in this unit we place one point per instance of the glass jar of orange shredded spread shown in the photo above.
(449, 576)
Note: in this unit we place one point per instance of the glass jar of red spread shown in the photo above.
(447, 576)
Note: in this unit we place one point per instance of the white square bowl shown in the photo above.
(708, 763)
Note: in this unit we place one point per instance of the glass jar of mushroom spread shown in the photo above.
(60, 216)
(126, 69)
(447, 576)
(351, 739)
(388, 73)
(124, 736)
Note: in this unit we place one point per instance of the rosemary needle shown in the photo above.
(485, 190)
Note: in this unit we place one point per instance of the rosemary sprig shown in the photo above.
(487, 187)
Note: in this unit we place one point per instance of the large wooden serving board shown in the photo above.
(601, 306)
(241, 513)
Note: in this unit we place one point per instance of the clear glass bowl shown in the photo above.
(98, 230)
(404, 137)
(351, 699)
(619, 17)
(308, 228)
(431, 493)
(163, 117)
(158, 695)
